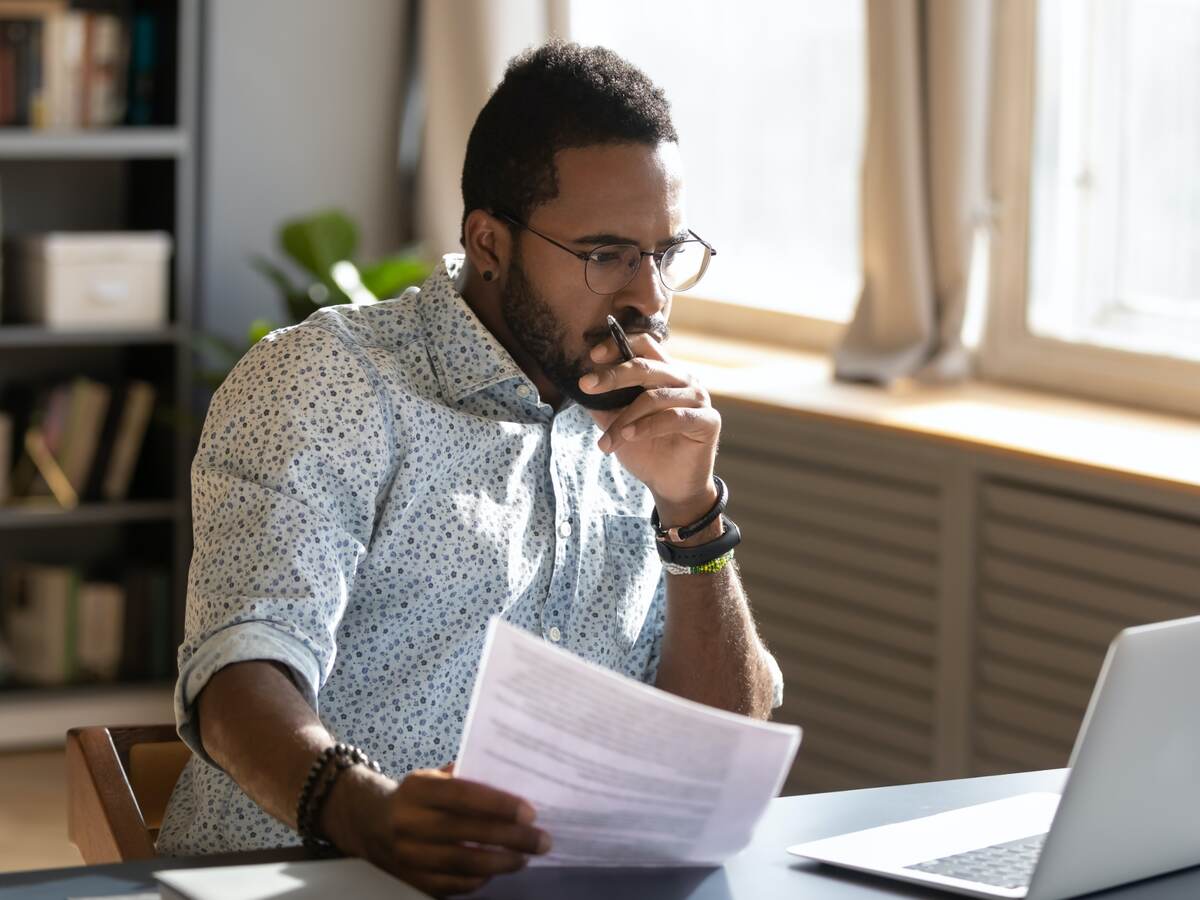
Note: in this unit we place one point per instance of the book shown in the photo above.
(6, 455)
(16, 36)
(25, 39)
(148, 644)
(126, 444)
(87, 407)
(41, 622)
(68, 68)
(101, 633)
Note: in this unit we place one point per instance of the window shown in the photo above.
(1095, 285)
(1115, 231)
(769, 102)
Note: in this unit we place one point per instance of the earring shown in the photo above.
(487, 275)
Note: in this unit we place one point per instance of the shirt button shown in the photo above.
(522, 390)
(555, 634)
(564, 529)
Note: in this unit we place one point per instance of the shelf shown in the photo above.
(40, 336)
(40, 717)
(112, 143)
(17, 517)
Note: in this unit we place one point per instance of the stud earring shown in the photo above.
(487, 275)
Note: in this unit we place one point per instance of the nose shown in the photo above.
(645, 293)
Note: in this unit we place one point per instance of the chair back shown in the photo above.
(119, 779)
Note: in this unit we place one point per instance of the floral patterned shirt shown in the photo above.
(371, 486)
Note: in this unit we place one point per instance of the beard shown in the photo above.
(533, 322)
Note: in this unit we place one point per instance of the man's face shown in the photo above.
(621, 193)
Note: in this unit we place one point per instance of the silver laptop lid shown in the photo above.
(1131, 805)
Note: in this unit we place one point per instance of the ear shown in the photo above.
(488, 242)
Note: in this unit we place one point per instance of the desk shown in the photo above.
(760, 872)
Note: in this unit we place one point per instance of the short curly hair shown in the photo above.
(555, 97)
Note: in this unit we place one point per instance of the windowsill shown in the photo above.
(1121, 441)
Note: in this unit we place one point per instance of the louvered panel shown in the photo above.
(822, 445)
(1121, 602)
(1056, 725)
(1107, 564)
(911, 569)
(886, 764)
(816, 576)
(814, 774)
(818, 713)
(1020, 752)
(1154, 533)
(1066, 692)
(796, 642)
(863, 691)
(790, 483)
(1058, 577)
(1050, 658)
(1084, 626)
(874, 533)
(783, 603)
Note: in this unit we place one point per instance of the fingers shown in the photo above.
(446, 835)
(700, 424)
(437, 789)
(639, 372)
(447, 828)
(458, 859)
(625, 425)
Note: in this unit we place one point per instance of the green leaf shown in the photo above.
(259, 329)
(389, 277)
(318, 241)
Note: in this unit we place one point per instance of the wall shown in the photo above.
(301, 103)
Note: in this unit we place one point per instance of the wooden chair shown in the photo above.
(118, 782)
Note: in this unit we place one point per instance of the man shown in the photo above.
(376, 483)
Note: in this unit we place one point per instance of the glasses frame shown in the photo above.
(585, 256)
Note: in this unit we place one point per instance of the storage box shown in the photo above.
(90, 279)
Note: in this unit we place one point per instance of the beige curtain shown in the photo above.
(923, 187)
(465, 46)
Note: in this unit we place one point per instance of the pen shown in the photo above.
(619, 336)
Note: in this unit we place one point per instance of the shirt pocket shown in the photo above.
(634, 571)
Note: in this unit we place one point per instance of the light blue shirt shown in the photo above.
(371, 487)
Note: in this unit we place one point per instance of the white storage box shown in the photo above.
(90, 279)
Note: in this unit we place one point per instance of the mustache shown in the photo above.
(655, 326)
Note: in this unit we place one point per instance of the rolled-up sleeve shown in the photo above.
(293, 458)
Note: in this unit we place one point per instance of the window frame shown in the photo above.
(1009, 351)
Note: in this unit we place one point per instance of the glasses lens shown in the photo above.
(611, 267)
(684, 264)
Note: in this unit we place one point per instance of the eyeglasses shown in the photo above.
(608, 268)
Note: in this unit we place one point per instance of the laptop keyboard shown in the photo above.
(1008, 865)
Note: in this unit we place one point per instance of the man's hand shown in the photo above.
(441, 834)
(667, 437)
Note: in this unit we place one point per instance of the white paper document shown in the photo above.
(620, 773)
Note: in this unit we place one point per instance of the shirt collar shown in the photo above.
(466, 356)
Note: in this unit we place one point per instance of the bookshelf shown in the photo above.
(132, 177)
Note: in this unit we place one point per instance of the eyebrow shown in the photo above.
(596, 240)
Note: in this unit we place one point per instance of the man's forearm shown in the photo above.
(255, 724)
(711, 651)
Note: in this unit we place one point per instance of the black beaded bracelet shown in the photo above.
(316, 791)
(683, 532)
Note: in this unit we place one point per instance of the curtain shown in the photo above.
(464, 48)
(924, 188)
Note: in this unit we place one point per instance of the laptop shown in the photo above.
(1130, 808)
